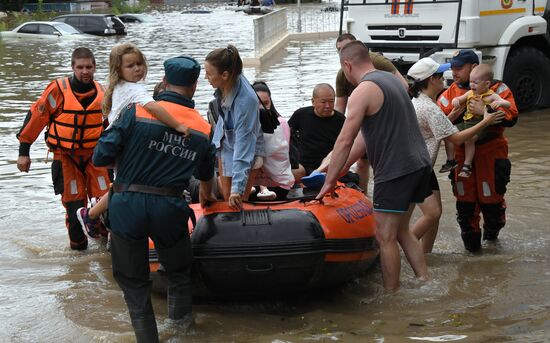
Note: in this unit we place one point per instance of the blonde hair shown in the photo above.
(484, 71)
(115, 64)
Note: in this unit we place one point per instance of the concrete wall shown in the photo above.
(271, 34)
(269, 30)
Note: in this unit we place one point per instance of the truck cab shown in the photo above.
(511, 35)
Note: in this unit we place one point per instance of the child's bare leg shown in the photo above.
(451, 162)
(470, 150)
(450, 151)
(99, 208)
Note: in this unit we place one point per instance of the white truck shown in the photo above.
(511, 35)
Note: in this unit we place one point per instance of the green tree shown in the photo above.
(121, 6)
(11, 5)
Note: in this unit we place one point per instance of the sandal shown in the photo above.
(466, 171)
(448, 166)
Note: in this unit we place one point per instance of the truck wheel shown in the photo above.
(526, 73)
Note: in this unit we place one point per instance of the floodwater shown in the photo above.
(49, 293)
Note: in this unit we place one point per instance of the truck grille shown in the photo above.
(407, 27)
(405, 33)
(404, 39)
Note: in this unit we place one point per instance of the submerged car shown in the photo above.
(134, 18)
(44, 30)
(95, 24)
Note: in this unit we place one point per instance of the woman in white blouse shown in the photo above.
(427, 77)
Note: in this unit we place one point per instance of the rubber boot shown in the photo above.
(490, 233)
(183, 325)
(179, 305)
(145, 329)
(131, 272)
(472, 240)
(176, 262)
(494, 218)
(468, 220)
(78, 239)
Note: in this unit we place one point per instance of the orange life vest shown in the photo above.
(185, 115)
(76, 127)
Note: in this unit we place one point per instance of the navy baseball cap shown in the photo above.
(463, 57)
(181, 71)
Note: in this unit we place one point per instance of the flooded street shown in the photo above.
(49, 293)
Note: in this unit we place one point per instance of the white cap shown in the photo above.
(425, 68)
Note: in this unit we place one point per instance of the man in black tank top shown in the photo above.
(381, 108)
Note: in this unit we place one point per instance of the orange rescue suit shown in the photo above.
(484, 190)
(72, 133)
(76, 127)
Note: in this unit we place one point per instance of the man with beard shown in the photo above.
(484, 189)
(70, 109)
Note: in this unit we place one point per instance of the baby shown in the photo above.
(480, 83)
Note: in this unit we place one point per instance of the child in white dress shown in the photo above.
(127, 68)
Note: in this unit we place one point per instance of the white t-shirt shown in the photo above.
(434, 124)
(126, 93)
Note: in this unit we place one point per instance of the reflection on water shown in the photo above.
(49, 293)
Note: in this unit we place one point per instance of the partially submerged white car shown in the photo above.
(49, 30)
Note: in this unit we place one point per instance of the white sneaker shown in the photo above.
(266, 194)
(93, 201)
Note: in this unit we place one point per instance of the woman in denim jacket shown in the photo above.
(238, 137)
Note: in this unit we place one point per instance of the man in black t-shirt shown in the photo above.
(318, 126)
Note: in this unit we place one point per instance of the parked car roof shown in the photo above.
(44, 30)
(86, 15)
(95, 24)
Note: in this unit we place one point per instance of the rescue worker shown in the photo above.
(154, 165)
(70, 109)
(484, 190)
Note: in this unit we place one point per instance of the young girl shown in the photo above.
(276, 171)
(127, 67)
(238, 137)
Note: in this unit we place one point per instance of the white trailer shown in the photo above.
(511, 35)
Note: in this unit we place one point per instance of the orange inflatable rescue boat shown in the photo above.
(279, 247)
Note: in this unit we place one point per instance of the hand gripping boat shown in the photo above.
(279, 247)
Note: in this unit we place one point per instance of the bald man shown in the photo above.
(318, 126)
